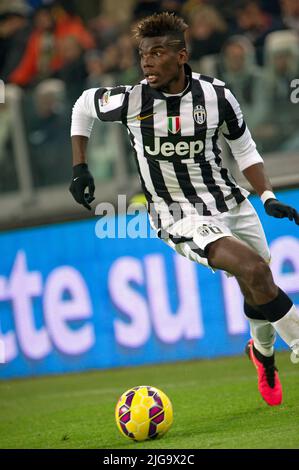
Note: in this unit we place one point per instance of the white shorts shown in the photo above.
(192, 234)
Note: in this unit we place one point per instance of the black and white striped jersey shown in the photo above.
(175, 139)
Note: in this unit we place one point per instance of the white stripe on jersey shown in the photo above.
(160, 118)
(134, 104)
(186, 110)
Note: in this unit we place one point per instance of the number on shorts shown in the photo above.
(206, 229)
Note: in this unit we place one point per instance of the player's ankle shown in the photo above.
(265, 360)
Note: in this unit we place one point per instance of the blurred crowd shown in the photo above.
(56, 49)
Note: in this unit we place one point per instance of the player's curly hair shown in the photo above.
(162, 24)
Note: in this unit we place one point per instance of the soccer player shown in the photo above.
(174, 117)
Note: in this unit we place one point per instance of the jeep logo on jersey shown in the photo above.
(181, 148)
(199, 114)
(174, 124)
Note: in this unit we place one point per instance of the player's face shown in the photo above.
(162, 64)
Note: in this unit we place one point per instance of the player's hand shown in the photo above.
(82, 180)
(277, 209)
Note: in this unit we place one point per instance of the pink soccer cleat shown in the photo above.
(268, 381)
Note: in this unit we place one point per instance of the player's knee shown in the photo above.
(259, 276)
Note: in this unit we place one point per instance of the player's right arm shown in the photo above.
(82, 179)
(106, 104)
(249, 160)
(83, 117)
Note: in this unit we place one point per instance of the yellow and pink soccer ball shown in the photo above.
(143, 412)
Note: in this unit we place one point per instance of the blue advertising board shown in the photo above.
(70, 300)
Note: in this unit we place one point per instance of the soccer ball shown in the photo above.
(143, 413)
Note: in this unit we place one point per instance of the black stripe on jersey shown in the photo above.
(143, 186)
(206, 78)
(124, 110)
(118, 90)
(236, 193)
(147, 128)
(156, 220)
(181, 169)
(155, 217)
(234, 133)
(205, 166)
(150, 206)
(156, 175)
(231, 120)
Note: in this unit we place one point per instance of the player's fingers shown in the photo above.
(296, 216)
(284, 211)
(76, 195)
(279, 213)
(291, 213)
(85, 204)
(91, 188)
(89, 198)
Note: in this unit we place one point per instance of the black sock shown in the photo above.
(277, 308)
(265, 360)
(252, 312)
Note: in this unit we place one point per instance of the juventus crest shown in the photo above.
(199, 114)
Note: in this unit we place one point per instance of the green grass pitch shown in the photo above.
(216, 406)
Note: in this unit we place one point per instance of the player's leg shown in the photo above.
(245, 224)
(210, 241)
(237, 258)
(261, 330)
(260, 350)
(195, 250)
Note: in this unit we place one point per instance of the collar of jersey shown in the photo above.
(160, 95)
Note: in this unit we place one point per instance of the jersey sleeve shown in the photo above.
(106, 104)
(237, 134)
(84, 114)
(111, 103)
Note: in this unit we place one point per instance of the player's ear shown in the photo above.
(183, 56)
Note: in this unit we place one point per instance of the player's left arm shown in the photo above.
(249, 160)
